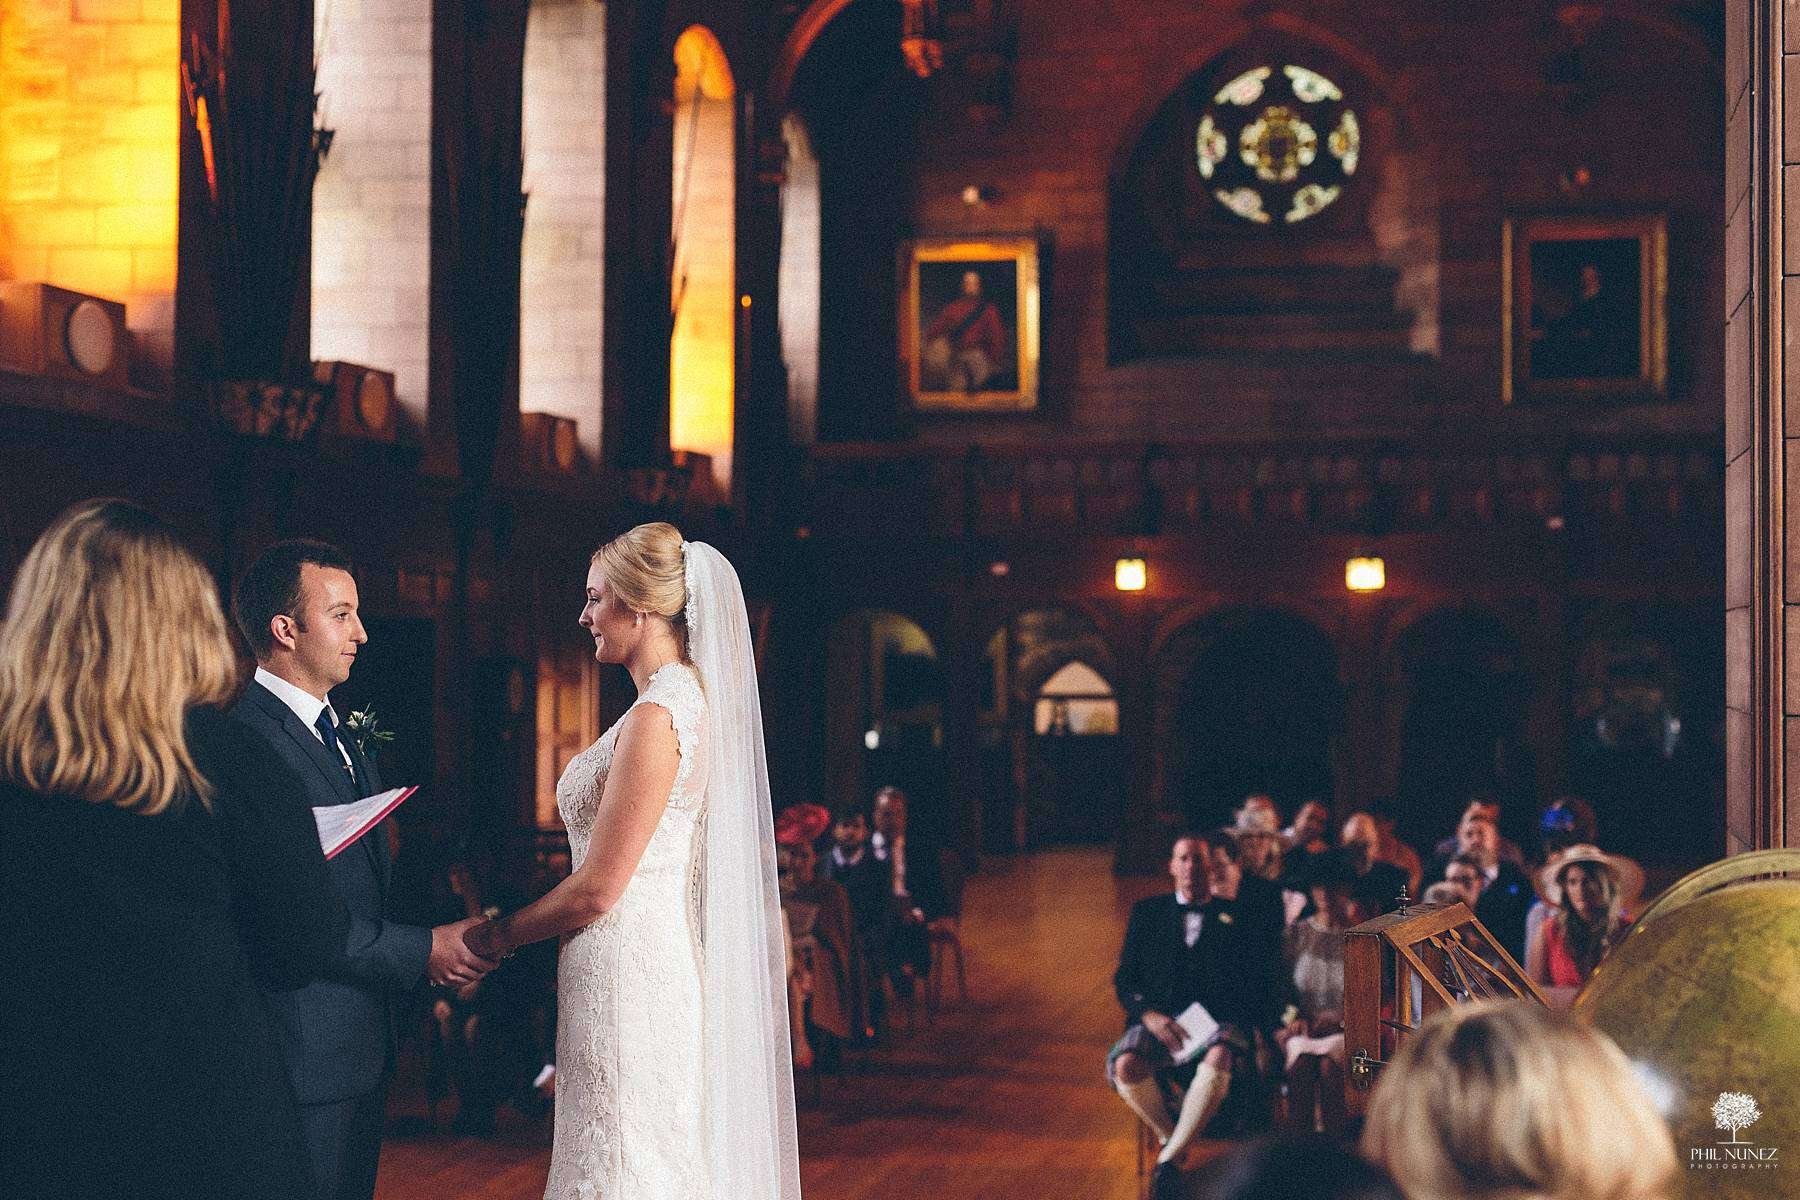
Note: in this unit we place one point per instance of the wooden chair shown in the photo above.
(945, 933)
(1402, 967)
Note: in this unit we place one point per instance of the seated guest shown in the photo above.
(1307, 834)
(864, 879)
(1480, 806)
(1392, 850)
(1466, 874)
(1504, 1100)
(1442, 892)
(1309, 1166)
(1592, 894)
(1569, 821)
(819, 910)
(1258, 811)
(918, 892)
(154, 870)
(1201, 944)
(1378, 883)
(1257, 827)
(1313, 1039)
(1506, 892)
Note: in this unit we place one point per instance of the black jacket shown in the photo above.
(1502, 906)
(140, 1059)
(337, 1032)
(1233, 969)
(870, 886)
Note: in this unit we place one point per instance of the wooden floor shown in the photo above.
(1002, 1097)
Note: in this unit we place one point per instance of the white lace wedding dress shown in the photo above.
(629, 1067)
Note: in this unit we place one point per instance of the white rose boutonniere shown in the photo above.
(367, 732)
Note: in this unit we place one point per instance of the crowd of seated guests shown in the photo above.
(1255, 926)
(861, 915)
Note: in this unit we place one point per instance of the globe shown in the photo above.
(1703, 996)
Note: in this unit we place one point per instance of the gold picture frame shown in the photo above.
(1585, 307)
(970, 324)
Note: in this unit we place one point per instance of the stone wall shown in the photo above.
(565, 165)
(371, 255)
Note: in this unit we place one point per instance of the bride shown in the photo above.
(673, 1080)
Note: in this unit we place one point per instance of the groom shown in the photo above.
(297, 607)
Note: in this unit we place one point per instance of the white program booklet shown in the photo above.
(1199, 1026)
(342, 824)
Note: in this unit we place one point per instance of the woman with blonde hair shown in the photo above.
(674, 1073)
(151, 876)
(1503, 1100)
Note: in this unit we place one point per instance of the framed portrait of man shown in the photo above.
(970, 324)
(1586, 308)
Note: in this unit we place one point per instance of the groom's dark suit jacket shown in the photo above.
(337, 1032)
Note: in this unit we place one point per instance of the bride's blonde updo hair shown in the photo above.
(646, 569)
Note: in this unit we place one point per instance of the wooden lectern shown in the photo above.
(1402, 967)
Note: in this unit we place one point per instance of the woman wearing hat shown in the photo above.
(1591, 894)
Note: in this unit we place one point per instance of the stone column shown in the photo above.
(1762, 423)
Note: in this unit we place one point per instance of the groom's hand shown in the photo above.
(452, 963)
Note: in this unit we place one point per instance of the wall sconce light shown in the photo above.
(872, 740)
(1365, 573)
(1130, 575)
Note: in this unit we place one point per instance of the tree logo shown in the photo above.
(1734, 1111)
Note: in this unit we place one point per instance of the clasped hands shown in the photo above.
(452, 962)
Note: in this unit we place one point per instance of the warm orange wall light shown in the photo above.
(704, 285)
(90, 112)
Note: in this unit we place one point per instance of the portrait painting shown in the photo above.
(1586, 307)
(969, 324)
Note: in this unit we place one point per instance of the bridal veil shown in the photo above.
(752, 1146)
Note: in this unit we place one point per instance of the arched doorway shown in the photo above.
(1053, 762)
(884, 714)
(703, 283)
(1247, 701)
(1460, 689)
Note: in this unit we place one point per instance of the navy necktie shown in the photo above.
(328, 731)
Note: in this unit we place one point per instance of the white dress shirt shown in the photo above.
(305, 705)
(1192, 933)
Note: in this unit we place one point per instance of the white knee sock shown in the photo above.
(1146, 1100)
(1197, 1108)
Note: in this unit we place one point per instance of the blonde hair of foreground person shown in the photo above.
(114, 630)
(647, 571)
(1509, 1101)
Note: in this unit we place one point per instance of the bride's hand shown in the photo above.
(484, 940)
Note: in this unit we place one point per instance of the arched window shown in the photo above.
(562, 265)
(703, 287)
(371, 232)
(1076, 701)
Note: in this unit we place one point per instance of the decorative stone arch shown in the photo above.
(1421, 656)
(1182, 777)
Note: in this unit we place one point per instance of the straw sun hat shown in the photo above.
(1627, 874)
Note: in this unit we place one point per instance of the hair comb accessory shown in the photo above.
(687, 577)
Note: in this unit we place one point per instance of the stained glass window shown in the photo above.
(1277, 145)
